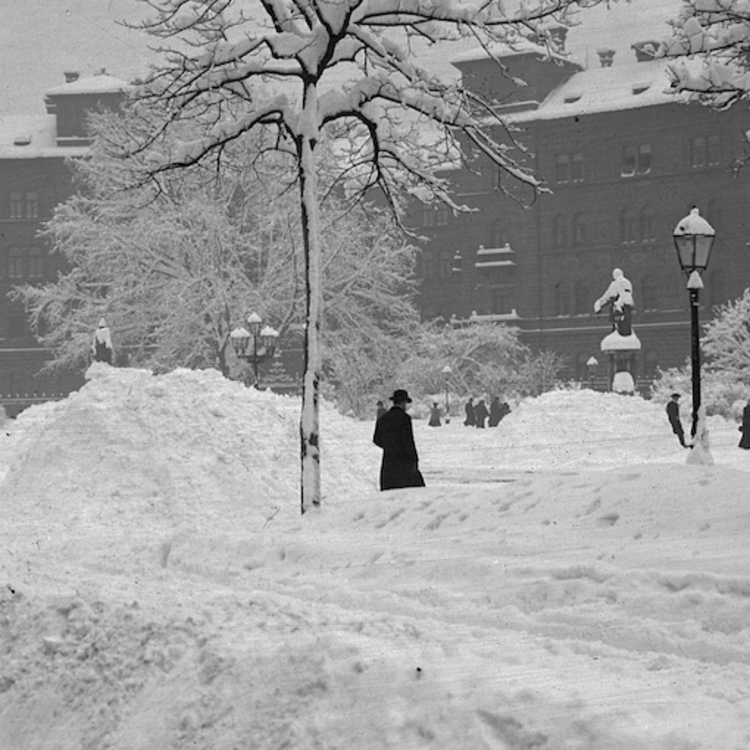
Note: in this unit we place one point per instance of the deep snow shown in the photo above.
(565, 582)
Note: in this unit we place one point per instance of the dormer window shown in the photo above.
(572, 99)
(639, 88)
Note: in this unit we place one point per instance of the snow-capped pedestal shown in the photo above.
(615, 342)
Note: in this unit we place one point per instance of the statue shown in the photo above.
(619, 296)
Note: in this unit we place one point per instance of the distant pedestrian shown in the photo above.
(480, 413)
(101, 346)
(496, 413)
(380, 410)
(394, 434)
(673, 414)
(471, 418)
(745, 427)
(434, 415)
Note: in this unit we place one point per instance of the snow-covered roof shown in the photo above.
(621, 87)
(502, 51)
(101, 83)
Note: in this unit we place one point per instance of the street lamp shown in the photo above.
(592, 363)
(263, 342)
(446, 377)
(693, 239)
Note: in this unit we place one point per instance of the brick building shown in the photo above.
(34, 177)
(625, 160)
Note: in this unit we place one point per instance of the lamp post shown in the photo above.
(446, 377)
(263, 342)
(693, 240)
(592, 363)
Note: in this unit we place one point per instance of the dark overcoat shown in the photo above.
(745, 428)
(400, 465)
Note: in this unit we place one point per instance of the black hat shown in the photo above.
(675, 395)
(400, 395)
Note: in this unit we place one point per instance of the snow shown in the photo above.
(565, 581)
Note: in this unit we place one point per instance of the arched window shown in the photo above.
(36, 263)
(15, 263)
(648, 227)
(560, 230)
(627, 227)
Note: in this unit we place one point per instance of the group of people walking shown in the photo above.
(477, 414)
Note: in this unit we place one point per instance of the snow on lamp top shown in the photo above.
(694, 223)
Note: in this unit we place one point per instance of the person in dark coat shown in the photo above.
(673, 415)
(471, 418)
(380, 410)
(481, 413)
(394, 434)
(434, 415)
(496, 413)
(745, 427)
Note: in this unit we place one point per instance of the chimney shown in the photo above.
(606, 57)
(71, 75)
(646, 50)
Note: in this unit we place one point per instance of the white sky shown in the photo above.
(565, 581)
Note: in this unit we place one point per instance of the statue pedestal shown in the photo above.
(621, 354)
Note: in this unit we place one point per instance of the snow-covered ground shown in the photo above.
(565, 582)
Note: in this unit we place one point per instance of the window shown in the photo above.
(562, 168)
(16, 322)
(627, 227)
(442, 215)
(644, 159)
(561, 300)
(560, 231)
(636, 160)
(16, 206)
(428, 216)
(716, 291)
(36, 263)
(501, 301)
(713, 151)
(15, 263)
(582, 298)
(32, 206)
(650, 363)
(576, 168)
(629, 157)
(648, 228)
(698, 152)
(445, 264)
(705, 151)
(649, 293)
(497, 234)
(579, 230)
(429, 265)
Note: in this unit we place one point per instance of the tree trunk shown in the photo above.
(310, 211)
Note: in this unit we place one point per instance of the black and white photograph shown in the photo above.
(374, 374)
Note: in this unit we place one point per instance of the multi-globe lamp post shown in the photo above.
(694, 239)
(254, 344)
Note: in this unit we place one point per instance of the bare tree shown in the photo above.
(174, 270)
(349, 69)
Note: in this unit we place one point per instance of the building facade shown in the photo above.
(35, 176)
(624, 160)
